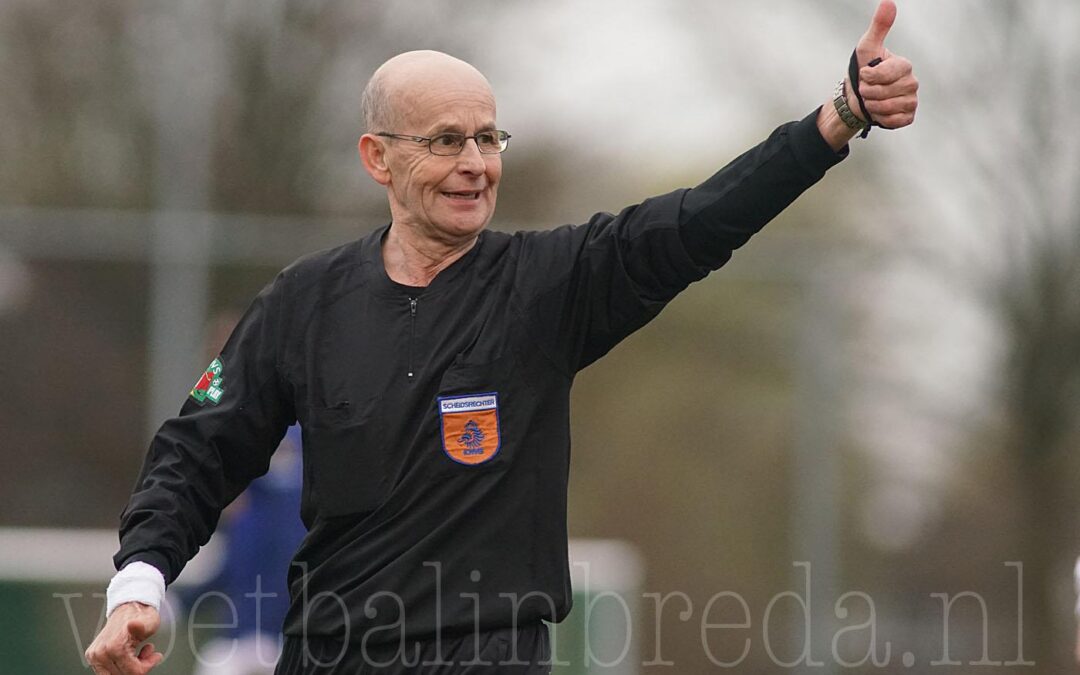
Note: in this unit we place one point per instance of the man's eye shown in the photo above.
(487, 138)
(447, 140)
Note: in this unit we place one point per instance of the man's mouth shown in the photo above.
(464, 195)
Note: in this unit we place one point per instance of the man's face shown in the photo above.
(447, 198)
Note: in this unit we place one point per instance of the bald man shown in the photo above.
(429, 365)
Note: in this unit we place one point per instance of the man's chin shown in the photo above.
(463, 228)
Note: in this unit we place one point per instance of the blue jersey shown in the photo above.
(262, 538)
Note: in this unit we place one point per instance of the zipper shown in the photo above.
(412, 333)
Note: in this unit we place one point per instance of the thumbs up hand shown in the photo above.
(872, 44)
(889, 89)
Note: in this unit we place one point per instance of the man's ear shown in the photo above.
(373, 156)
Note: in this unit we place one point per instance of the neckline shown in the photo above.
(383, 283)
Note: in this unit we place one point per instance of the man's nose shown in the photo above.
(470, 159)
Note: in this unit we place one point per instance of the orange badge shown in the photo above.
(470, 427)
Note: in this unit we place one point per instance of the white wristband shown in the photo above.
(137, 582)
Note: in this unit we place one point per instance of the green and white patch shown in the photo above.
(210, 387)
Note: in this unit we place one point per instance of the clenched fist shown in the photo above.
(116, 651)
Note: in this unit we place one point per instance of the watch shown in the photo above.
(842, 109)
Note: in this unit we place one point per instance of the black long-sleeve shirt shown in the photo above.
(436, 427)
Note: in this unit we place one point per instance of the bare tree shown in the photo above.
(992, 214)
(998, 175)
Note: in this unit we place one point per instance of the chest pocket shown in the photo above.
(479, 407)
(345, 455)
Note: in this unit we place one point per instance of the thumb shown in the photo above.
(873, 41)
(140, 629)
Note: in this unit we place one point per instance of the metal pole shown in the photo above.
(816, 467)
(186, 47)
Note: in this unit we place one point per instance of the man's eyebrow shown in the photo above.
(455, 128)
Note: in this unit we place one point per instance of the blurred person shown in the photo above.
(430, 365)
(262, 529)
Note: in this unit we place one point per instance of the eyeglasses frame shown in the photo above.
(428, 139)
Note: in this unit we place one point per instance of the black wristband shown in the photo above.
(853, 75)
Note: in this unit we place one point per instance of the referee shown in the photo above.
(429, 365)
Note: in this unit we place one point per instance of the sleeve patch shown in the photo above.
(210, 387)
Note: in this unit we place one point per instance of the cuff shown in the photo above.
(810, 149)
(137, 582)
(152, 557)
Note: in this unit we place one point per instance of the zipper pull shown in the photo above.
(412, 333)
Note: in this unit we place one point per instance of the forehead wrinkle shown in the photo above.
(458, 111)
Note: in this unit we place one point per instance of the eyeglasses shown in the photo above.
(488, 142)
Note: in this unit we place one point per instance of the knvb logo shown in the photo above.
(472, 439)
(470, 427)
